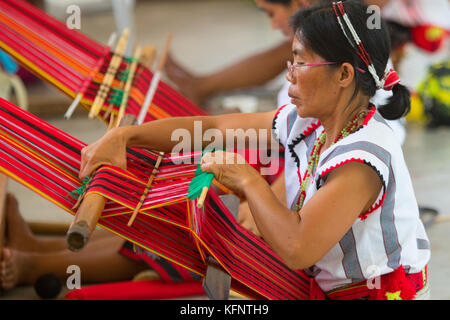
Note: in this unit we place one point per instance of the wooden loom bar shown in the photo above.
(89, 211)
(110, 74)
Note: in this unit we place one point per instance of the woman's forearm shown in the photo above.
(252, 71)
(271, 216)
(164, 134)
(158, 134)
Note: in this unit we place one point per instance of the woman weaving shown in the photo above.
(347, 219)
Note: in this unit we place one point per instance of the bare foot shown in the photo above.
(19, 235)
(12, 268)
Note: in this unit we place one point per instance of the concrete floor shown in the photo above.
(209, 35)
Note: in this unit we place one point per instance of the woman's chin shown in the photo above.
(301, 111)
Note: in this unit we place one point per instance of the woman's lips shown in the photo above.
(293, 99)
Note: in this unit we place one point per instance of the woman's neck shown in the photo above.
(340, 117)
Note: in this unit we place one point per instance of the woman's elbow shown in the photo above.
(297, 258)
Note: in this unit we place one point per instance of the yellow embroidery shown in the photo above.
(393, 295)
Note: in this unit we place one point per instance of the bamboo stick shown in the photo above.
(88, 79)
(202, 197)
(154, 84)
(147, 188)
(114, 65)
(90, 210)
(126, 90)
(148, 56)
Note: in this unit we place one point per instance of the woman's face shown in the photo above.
(313, 88)
(279, 14)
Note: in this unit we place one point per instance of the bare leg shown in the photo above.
(99, 262)
(27, 257)
(20, 236)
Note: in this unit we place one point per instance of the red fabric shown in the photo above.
(394, 285)
(392, 79)
(394, 282)
(315, 292)
(428, 38)
(137, 290)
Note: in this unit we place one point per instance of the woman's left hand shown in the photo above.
(230, 169)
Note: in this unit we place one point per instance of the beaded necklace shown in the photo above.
(349, 128)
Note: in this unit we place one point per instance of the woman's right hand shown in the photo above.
(109, 150)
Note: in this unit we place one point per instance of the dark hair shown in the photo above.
(400, 34)
(317, 29)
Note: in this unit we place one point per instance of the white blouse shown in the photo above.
(391, 233)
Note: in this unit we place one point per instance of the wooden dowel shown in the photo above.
(163, 59)
(114, 65)
(154, 84)
(148, 56)
(129, 82)
(85, 221)
(90, 210)
(202, 197)
(88, 79)
(147, 187)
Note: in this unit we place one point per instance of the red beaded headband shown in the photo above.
(390, 78)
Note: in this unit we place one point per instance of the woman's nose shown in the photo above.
(290, 77)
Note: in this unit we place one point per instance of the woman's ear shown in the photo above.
(346, 74)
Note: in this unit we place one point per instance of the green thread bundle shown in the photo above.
(116, 97)
(201, 179)
(123, 76)
(80, 190)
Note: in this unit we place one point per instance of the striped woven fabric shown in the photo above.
(47, 161)
(65, 58)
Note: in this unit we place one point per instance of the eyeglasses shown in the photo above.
(291, 67)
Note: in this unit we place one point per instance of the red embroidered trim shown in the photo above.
(362, 216)
(312, 127)
(279, 110)
(369, 115)
(340, 164)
